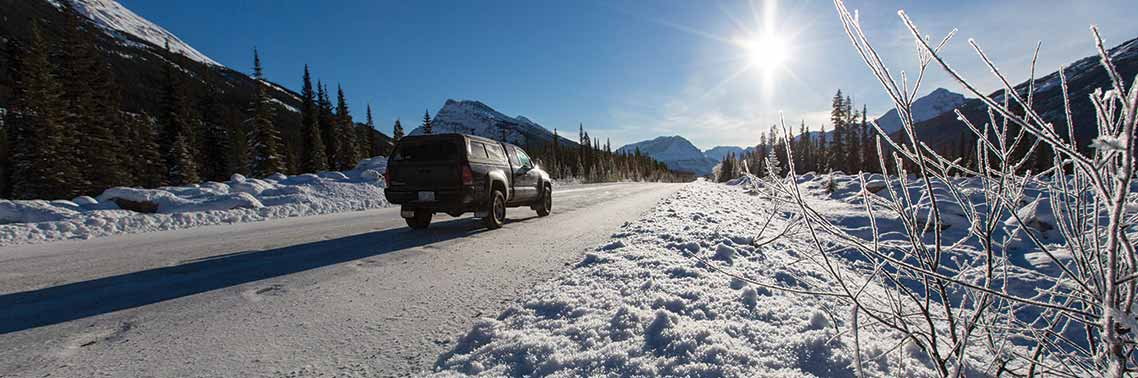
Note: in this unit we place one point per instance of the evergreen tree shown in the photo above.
(315, 158)
(365, 140)
(327, 123)
(837, 150)
(264, 140)
(85, 141)
(147, 164)
(35, 127)
(397, 131)
(216, 138)
(427, 128)
(345, 135)
(175, 120)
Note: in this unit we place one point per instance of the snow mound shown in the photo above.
(143, 200)
(655, 306)
(132, 210)
(33, 211)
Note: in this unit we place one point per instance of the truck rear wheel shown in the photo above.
(545, 205)
(421, 220)
(497, 211)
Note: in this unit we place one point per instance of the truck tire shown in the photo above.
(545, 204)
(421, 220)
(497, 211)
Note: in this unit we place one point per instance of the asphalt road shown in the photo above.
(350, 294)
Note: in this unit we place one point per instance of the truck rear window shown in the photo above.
(426, 152)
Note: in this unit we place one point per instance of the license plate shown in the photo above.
(407, 213)
(426, 196)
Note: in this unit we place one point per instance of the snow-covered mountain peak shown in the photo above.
(477, 118)
(118, 21)
(675, 151)
(925, 108)
(718, 153)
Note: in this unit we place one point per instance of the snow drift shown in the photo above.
(132, 210)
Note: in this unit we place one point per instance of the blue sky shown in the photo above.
(627, 70)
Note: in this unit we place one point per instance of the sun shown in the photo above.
(765, 52)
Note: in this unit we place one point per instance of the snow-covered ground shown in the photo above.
(238, 200)
(663, 297)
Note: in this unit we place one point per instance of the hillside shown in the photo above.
(132, 46)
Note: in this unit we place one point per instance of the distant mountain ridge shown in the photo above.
(476, 118)
(718, 153)
(944, 132)
(676, 152)
(937, 102)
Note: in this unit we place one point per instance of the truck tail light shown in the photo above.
(467, 175)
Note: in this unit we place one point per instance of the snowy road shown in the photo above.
(350, 294)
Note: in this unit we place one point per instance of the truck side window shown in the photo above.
(523, 159)
(477, 151)
(513, 156)
(495, 153)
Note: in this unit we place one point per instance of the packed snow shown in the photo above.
(697, 287)
(133, 210)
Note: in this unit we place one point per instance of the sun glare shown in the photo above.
(767, 52)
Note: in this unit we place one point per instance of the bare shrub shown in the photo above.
(955, 301)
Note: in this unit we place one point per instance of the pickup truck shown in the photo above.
(460, 173)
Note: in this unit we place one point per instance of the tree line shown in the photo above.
(849, 146)
(65, 133)
(590, 161)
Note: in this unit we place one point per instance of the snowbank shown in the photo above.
(241, 199)
(649, 303)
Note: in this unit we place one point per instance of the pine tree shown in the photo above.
(345, 134)
(397, 131)
(85, 140)
(315, 157)
(175, 120)
(184, 169)
(35, 127)
(837, 150)
(216, 140)
(147, 163)
(364, 137)
(264, 140)
(427, 128)
(327, 124)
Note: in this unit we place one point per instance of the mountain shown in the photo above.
(718, 153)
(474, 117)
(134, 49)
(939, 101)
(935, 103)
(675, 152)
(944, 132)
(120, 22)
